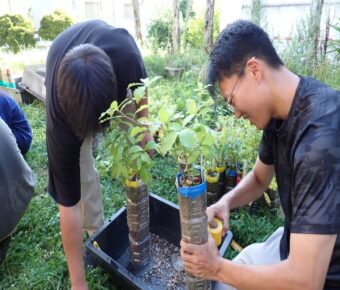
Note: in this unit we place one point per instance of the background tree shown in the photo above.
(52, 24)
(257, 14)
(136, 13)
(209, 25)
(159, 33)
(16, 32)
(335, 44)
(314, 29)
(186, 10)
(195, 34)
(175, 28)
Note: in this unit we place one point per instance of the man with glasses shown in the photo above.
(300, 120)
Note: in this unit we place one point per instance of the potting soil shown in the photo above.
(164, 270)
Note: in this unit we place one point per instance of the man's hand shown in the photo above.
(221, 211)
(202, 261)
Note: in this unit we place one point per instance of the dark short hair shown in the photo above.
(86, 86)
(237, 43)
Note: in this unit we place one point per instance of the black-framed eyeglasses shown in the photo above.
(214, 92)
(230, 97)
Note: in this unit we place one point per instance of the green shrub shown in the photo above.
(192, 60)
(52, 24)
(16, 33)
(159, 32)
(195, 33)
(155, 64)
(335, 44)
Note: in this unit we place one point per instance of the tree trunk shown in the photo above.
(326, 38)
(209, 25)
(175, 28)
(136, 14)
(185, 30)
(317, 6)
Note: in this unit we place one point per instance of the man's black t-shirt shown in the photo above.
(63, 146)
(305, 151)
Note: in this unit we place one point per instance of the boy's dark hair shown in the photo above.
(235, 45)
(86, 85)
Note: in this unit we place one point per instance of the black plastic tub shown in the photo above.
(110, 243)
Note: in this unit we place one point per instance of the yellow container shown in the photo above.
(217, 231)
(133, 184)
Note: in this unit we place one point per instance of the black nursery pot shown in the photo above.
(110, 244)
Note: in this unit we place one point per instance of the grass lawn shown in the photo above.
(36, 260)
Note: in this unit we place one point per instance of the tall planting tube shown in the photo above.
(230, 179)
(212, 189)
(221, 181)
(138, 223)
(194, 224)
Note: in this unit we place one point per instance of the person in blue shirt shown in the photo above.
(16, 120)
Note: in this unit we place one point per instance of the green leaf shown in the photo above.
(115, 171)
(135, 84)
(135, 149)
(168, 142)
(143, 120)
(151, 145)
(208, 153)
(139, 93)
(124, 172)
(164, 115)
(187, 120)
(145, 175)
(137, 130)
(146, 158)
(193, 157)
(191, 106)
(209, 138)
(126, 123)
(188, 138)
(140, 138)
(147, 82)
(175, 127)
(139, 164)
(114, 150)
(134, 156)
(177, 116)
(114, 106)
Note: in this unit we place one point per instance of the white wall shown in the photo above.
(113, 11)
(281, 15)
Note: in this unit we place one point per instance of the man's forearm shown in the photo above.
(71, 232)
(304, 269)
(263, 277)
